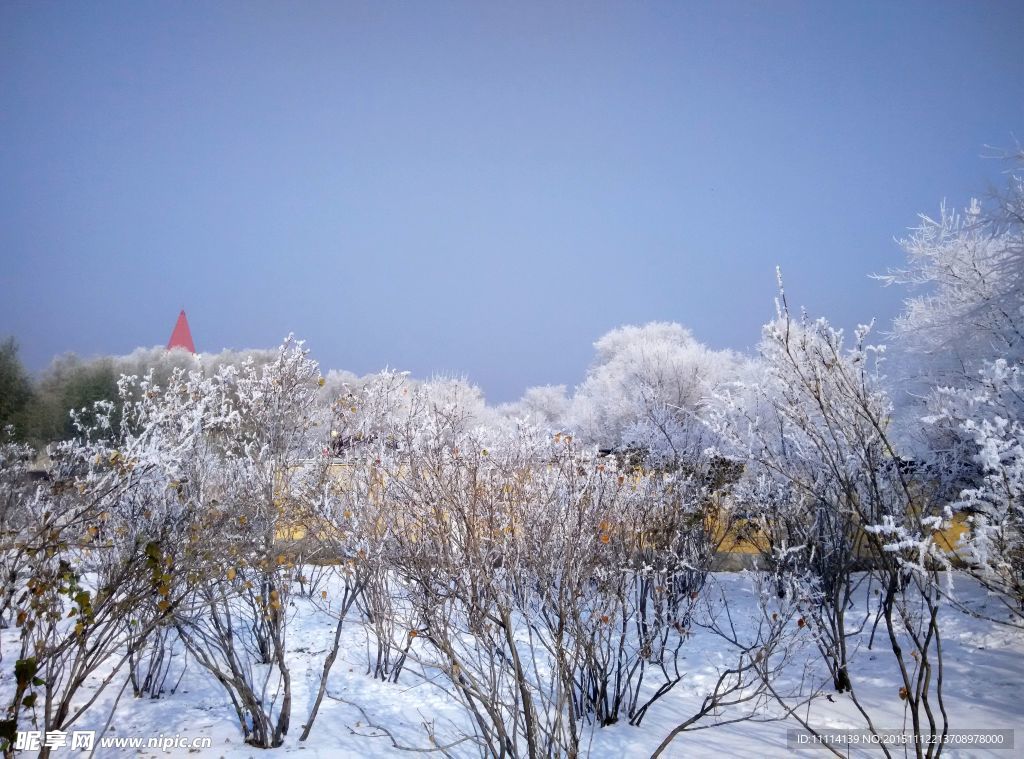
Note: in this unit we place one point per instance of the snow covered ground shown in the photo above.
(984, 687)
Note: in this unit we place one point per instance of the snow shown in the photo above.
(983, 684)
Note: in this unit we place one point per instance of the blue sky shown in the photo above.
(478, 188)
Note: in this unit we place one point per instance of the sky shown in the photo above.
(478, 189)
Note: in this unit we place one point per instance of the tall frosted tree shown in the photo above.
(645, 386)
(962, 337)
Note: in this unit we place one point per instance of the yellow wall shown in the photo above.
(731, 536)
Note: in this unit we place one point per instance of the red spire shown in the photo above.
(181, 337)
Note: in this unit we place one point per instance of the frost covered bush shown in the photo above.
(834, 505)
(97, 550)
(15, 492)
(173, 525)
(987, 416)
(253, 477)
(545, 584)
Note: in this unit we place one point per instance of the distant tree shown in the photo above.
(71, 384)
(546, 405)
(645, 386)
(460, 400)
(15, 388)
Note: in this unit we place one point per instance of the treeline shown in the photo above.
(38, 409)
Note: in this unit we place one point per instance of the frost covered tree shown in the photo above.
(544, 405)
(970, 267)
(646, 385)
(965, 271)
(459, 401)
(963, 336)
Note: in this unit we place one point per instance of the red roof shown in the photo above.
(181, 337)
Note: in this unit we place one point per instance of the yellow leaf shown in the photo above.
(231, 573)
